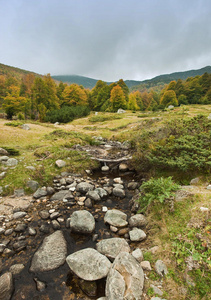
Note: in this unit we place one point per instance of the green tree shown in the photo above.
(125, 89)
(132, 103)
(117, 98)
(169, 98)
(74, 95)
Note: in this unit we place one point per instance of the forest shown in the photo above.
(44, 99)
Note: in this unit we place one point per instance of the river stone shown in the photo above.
(11, 162)
(32, 231)
(93, 195)
(59, 196)
(88, 203)
(112, 247)
(19, 214)
(137, 235)
(115, 218)
(119, 192)
(33, 185)
(125, 279)
(132, 185)
(82, 221)
(105, 168)
(44, 214)
(20, 227)
(138, 220)
(89, 264)
(6, 286)
(123, 167)
(40, 285)
(101, 192)
(84, 187)
(3, 151)
(40, 192)
(60, 163)
(16, 269)
(51, 254)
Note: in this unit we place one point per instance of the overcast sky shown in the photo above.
(106, 39)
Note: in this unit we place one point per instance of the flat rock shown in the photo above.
(82, 221)
(6, 286)
(89, 264)
(138, 220)
(19, 214)
(125, 279)
(115, 218)
(51, 254)
(137, 235)
(112, 247)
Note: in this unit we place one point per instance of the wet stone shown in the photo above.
(88, 203)
(40, 286)
(19, 214)
(44, 214)
(6, 286)
(20, 227)
(44, 228)
(8, 231)
(20, 245)
(56, 225)
(54, 215)
(32, 231)
(16, 269)
(88, 287)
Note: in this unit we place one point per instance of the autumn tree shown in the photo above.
(132, 103)
(125, 89)
(117, 98)
(74, 95)
(169, 98)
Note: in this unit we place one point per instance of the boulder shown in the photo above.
(161, 268)
(16, 269)
(51, 254)
(125, 279)
(40, 192)
(93, 195)
(115, 218)
(6, 286)
(59, 196)
(101, 192)
(19, 214)
(84, 187)
(89, 264)
(3, 151)
(11, 162)
(82, 221)
(123, 167)
(119, 192)
(121, 111)
(138, 220)
(112, 247)
(60, 163)
(138, 254)
(33, 185)
(137, 235)
(25, 127)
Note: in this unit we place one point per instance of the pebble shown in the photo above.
(32, 231)
(8, 231)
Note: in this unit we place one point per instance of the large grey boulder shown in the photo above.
(11, 162)
(84, 187)
(138, 220)
(115, 218)
(112, 247)
(25, 127)
(89, 264)
(6, 286)
(51, 254)
(125, 279)
(137, 235)
(82, 221)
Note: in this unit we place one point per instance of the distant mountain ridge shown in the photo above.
(161, 79)
(15, 72)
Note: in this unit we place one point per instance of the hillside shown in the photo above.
(158, 81)
(9, 71)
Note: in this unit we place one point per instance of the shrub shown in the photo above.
(102, 118)
(67, 114)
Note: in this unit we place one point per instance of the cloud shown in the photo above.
(106, 39)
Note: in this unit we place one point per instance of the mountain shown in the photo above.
(9, 71)
(158, 81)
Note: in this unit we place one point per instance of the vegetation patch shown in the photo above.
(67, 114)
(106, 117)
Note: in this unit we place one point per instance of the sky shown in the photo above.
(106, 39)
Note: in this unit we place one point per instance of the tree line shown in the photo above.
(45, 100)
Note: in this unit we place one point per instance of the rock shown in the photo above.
(33, 185)
(132, 185)
(89, 264)
(54, 215)
(59, 196)
(32, 231)
(2, 230)
(6, 286)
(20, 227)
(138, 220)
(138, 254)
(40, 286)
(44, 214)
(93, 195)
(31, 168)
(115, 218)
(156, 290)
(118, 180)
(104, 209)
(50, 190)
(118, 186)
(51, 254)
(3, 151)
(123, 167)
(121, 111)
(1, 190)
(137, 235)
(4, 159)
(209, 117)
(146, 265)
(19, 214)
(88, 203)
(125, 279)
(45, 228)
(123, 231)
(88, 287)
(82, 221)
(195, 181)
(84, 187)
(119, 192)
(171, 107)
(112, 247)
(204, 209)
(60, 163)
(105, 168)
(161, 268)
(25, 127)
(20, 245)
(101, 192)
(8, 231)
(40, 192)
(2, 175)
(16, 269)
(209, 187)
(19, 192)
(11, 162)
(56, 225)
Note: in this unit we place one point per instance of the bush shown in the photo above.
(66, 114)
(156, 190)
(102, 118)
